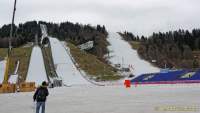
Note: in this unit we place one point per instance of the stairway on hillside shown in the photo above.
(49, 65)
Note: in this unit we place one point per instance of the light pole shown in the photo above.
(6, 74)
(11, 30)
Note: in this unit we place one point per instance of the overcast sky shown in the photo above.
(137, 16)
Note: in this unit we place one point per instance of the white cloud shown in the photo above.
(137, 16)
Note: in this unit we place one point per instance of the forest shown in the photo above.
(65, 31)
(173, 49)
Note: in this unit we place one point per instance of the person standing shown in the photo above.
(40, 96)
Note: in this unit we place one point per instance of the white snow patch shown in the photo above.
(13, 79)
(123, 54)
(36, 70)
(2, 70)
(65, 68)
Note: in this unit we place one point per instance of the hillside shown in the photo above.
(173, 49)
(122, 54)
(65, 31)
(21, 54)
(92, 66)
(88, 62)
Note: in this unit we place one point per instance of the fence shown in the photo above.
(7, 88)
(27, 87)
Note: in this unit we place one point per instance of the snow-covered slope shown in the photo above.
(123, 54)
(2, 69)
(36, 70)
(64, 65)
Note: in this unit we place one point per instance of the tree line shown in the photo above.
(179, 49)
(66, 31)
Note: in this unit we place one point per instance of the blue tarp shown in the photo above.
(195, 76)
(168, 76)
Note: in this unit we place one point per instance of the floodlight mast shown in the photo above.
(11, 30)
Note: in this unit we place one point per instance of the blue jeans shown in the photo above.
(40, 105)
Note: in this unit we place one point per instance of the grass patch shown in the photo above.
(21, 54)
(3, 53)
(135, 44)
(92, 66)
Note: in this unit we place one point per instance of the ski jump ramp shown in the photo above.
(36, 70)
(123, 53)
(65, 67)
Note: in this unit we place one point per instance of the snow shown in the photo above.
(122, 53)
(65, 68)
(2, 69)
(36, 71)
(13, 79)
(17, 67)
(108, 99)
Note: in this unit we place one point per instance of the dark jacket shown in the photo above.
(36, 94)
